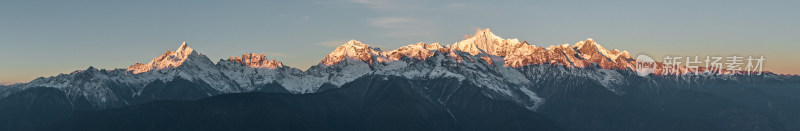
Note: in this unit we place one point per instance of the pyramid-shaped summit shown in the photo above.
(170, 59)
(353, 49)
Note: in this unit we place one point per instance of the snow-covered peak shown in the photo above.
(421, 45)
(170, 59)
(590, 47)
(492, 49)
(483, 59)
(353, 49)
(184, 48)
(418, 51)
(484, 41)
(256, 61)
(355, 43)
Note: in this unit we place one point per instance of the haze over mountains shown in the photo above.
(481, 82)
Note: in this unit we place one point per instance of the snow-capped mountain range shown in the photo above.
(506, 68)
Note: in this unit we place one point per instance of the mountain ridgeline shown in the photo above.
(483, 82)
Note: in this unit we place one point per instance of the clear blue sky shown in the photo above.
(44, 38)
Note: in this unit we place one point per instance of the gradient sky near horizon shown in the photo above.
(45, 38)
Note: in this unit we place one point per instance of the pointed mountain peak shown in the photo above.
(487, 32)
(354, 43)
(588, 43)
(484, 41)
(170, 59)
(352, 49)
(596, 53)
(484, 34)
(91, 68)
(184, 45)
(184, 50)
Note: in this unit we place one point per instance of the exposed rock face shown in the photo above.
(256, 61)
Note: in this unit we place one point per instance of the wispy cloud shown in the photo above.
(400, 19)
(332, 43)
(414, 18)
(404, 26)
(394, 22)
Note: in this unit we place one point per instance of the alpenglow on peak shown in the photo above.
(353, 49)
(256, 61)
(170, 59)
(492, 48)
